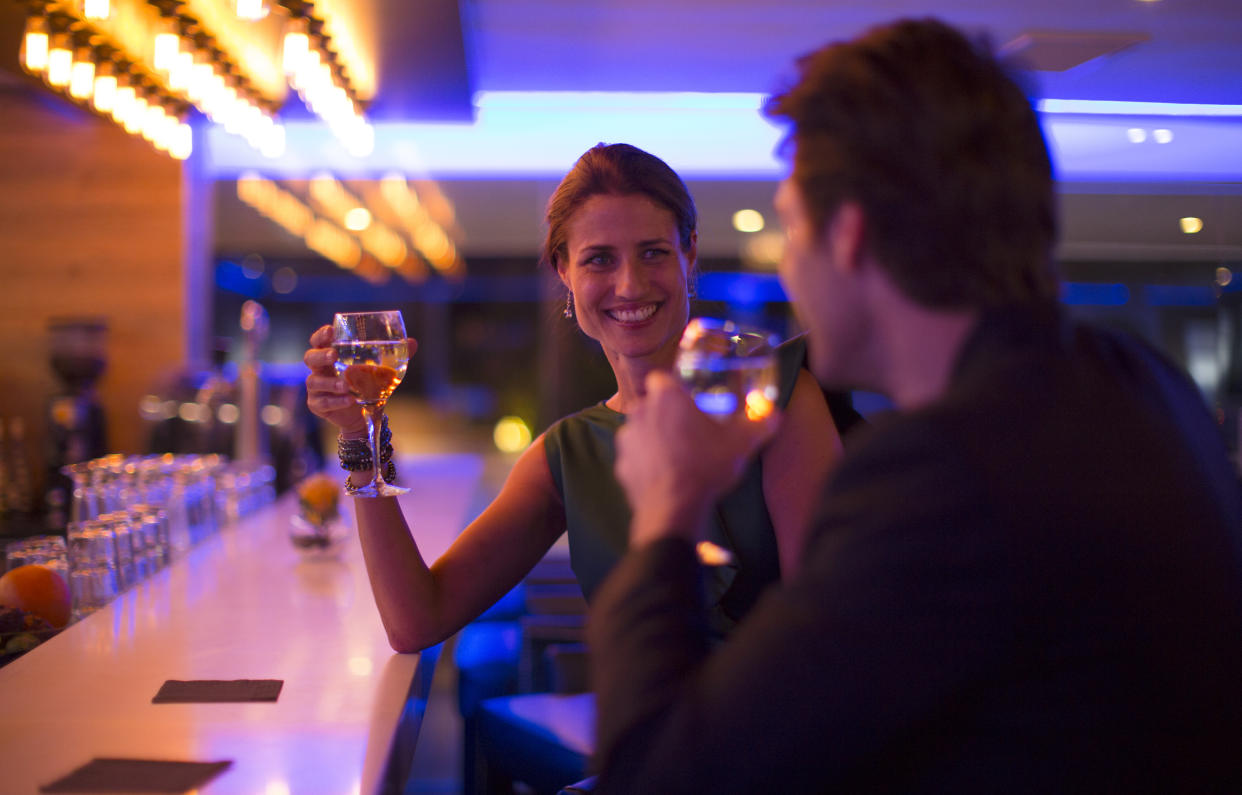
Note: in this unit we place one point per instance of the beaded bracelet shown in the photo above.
(355, 454)
(353, 462)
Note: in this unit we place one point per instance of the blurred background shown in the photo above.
(283, 161)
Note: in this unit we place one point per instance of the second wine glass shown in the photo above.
(728, 368)
(372, 354)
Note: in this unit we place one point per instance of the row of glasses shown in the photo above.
(132, 515)
(44, 550)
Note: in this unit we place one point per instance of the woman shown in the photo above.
(622, 238)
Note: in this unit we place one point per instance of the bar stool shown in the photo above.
(530, 641)
(544, 740)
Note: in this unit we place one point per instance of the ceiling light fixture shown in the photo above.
(96, 9)
(357, 219)
(315, 72)
(35, 44)
(747, 221)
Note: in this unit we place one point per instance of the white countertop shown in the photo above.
(244, 604)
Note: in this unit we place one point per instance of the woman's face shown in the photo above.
(628, 274)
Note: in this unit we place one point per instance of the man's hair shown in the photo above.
(618, 170)
(941, 148)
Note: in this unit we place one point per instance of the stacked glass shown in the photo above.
(131, 516)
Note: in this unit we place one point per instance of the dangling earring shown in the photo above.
(569, 305)
(692, 289)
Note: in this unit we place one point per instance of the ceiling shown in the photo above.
(1186, 52)
(432, 56)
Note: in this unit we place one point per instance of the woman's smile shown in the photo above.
(632, 314)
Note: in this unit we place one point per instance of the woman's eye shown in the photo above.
(598, 261)
(655, 253)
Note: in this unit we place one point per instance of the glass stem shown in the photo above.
(371, 413)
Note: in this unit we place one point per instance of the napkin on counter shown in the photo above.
(137, 775)
(205, 691)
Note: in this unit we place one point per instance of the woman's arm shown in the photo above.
(422, 605)
(796, 465)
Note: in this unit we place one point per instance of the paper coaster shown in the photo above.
(137, 775)
(203, 691)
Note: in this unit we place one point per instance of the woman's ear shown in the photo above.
(562, 273)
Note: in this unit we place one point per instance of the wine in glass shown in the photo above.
(728, 368)
(372, 355)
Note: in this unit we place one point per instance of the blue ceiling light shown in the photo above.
(540, 134)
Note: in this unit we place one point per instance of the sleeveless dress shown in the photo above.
(581, 451)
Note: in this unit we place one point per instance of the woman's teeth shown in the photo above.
(632, 315)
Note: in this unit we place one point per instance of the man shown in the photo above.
(1027, 579)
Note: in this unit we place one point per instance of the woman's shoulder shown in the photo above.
(589, 428)
(598, 415)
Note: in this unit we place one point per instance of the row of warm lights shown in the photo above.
(750, 221)
(181, 54)
(323, 235)
(69, 58)
(337, 203)
(318, 82)
(154, 409)
(137, 107)
(427, 235)
(289, 212)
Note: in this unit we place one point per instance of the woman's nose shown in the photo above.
(631, 278)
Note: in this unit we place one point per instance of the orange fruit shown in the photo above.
(39, 590)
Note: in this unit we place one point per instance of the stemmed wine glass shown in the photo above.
(728, 368)
(372, 354)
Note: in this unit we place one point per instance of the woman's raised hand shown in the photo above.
(327, 396)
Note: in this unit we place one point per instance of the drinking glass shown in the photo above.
(728, 368)
(372, 355)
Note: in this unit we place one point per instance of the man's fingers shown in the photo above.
(322, 338)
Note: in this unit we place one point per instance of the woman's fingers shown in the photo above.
(325, 384)
(320, 361)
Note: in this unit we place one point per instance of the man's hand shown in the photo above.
(327, 394)
(675, 462)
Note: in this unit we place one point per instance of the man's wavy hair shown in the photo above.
(942, 149)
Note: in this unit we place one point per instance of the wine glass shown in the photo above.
(728, 368)
(372, 354)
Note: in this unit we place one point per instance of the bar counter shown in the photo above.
(243, 604)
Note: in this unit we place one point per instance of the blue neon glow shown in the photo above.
(540, 134)
(1094, 294)
(1118, 108)
(615, 100)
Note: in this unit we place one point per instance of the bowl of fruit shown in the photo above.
(316, 529)
(34, 605)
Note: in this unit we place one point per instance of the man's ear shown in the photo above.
(846, 236)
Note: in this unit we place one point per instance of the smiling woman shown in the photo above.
(622, 236)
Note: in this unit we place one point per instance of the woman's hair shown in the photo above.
(941, 148)
(617, 170)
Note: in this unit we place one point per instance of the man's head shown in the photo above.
(926, 133)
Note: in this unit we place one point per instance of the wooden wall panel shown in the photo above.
(90, 224)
